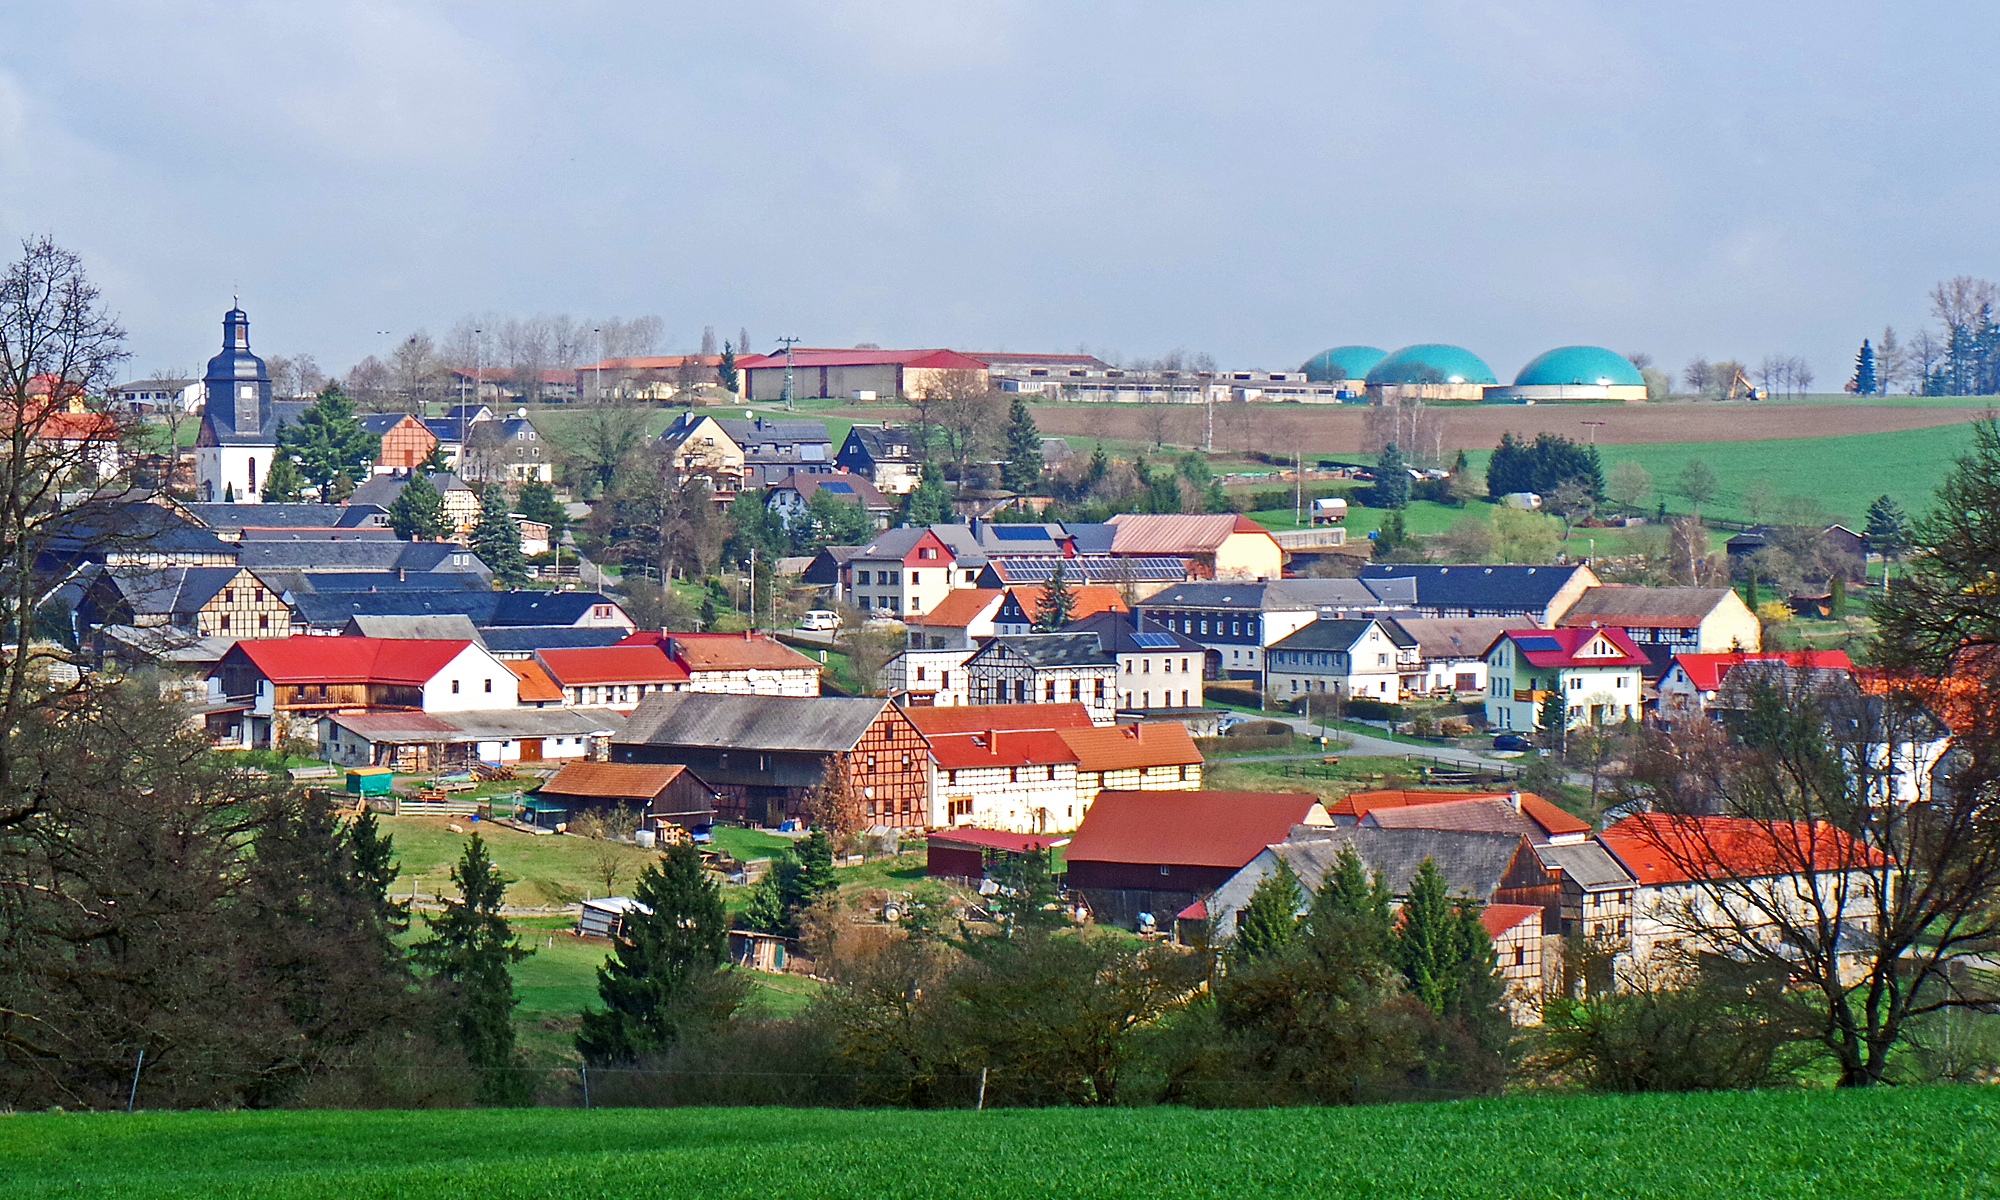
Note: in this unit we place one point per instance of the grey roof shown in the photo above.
(1004, 570)
(432, 625)
(1478, 587)
(1289, 595)
(284, 516)
(486, 608)
(1048, 649)
(518, 638)
(1471, 861)
(217, 421)
(1678, 607)
(877, 441)
(357, 554)
(1016, 537)
(382, 490)
(758, 431)
(1484, 814)
(897, 542)
(1092, 537)
(1453, 637)
(1334, 633)
(168, 591)
(165, 644)
(381, 423)
(1116, 631)
(479, 725)
(1589, 863)
(814, 724)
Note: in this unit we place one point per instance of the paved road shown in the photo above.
(1363, 744)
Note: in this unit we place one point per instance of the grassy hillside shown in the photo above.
(1914, 1142)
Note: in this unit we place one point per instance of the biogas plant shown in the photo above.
(1439, 371)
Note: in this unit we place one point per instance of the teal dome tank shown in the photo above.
(1586, 365)
(1431, 362)
(1342, 362)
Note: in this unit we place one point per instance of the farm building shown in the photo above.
(1665, 621)
(661, 794)
(418, 741)
(965, 854)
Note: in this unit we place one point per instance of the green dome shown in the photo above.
(1587, 365)
(1431, 363)
(1342, 362)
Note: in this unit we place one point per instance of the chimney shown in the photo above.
(402, 575)
(993, 742)
(1514, 798)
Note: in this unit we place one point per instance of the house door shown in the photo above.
(531, 749)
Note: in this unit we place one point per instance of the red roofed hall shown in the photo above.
(1157, 852)
(1659, 848)
(612, 676)
(745, 664)
(281, 687)
(966, 853)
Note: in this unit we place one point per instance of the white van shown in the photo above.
(820, 620)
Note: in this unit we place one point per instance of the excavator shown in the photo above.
(1743, 385)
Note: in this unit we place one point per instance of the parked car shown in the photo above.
(1512, 741)
(820, 620)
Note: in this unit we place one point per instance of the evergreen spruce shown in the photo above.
(1351, 903)
(537, 502)
(1100, 465)
(328, 441)
(417, 512)
(1392, 478)
(1268, 923)
(229, 493)
(1837, 603)
(652, 984)
(283, 483)
(1750, 598)
(376, 868)
(725, 371)
(1888, 528)
(470, 953)
(929, 503)
(1864, 383)
(497, 540)
(1555, 719)
(1429, 948)
(1058, 603)
(1023, 470)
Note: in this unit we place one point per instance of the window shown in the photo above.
(970, 576)
(229, 595)
(1520, 956)
(927, 552)
(1128, 666)
(1236, 628)
(913, 579)
(1164, 869)
(1145, 666)
(1575, 683)
(1381, 660)
(264, 621)
(489, 685)
(1623, 682)
(454, 687)
(1184, 666)
(1013, 774)
(260, 595)
(1076, 689)
(861, 577)
(1204, 627)
(920, 673)
(1184, 773)
(225, 622)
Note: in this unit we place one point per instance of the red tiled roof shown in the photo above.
(611, 664)
(959, 608)
(623, 781)
(821, 357)
(1499, 918)
(1569, 641)
(1000, 748)
(1705, 671)
(998, 839)
(1086, 601)
(722, 651)
(1659, 848)
(1123, 747)
(1201, 829)
(535, 682)
(351, 659)
(973, 718)
(656, 362)
(1553, 820)
(1198, 911)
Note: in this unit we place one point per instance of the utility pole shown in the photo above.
(1298, 488)
(1593, 430)
(788, 343)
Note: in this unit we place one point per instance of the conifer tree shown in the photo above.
(1864, 371)
(470, 953)
(1100, 465)
(1554, 716)
(929, 503)
(497, 540)
(1269, 921)
(1023, 469)
(282, 483)
(1392, 478)
(1429, 944)
(1029, 899)
(376, 868)
(328, 440)
(1058, 603)
(725, 371)
(537, 502)
(652, 984)
(1888, 528)
(417, 512)
(1351, 903)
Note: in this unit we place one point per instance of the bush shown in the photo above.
(1361, 708)
(1246, 729)
(1242, 695)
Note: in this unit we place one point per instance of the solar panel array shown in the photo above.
(1154, 641)
(1538, 644)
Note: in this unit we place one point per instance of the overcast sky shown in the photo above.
(1257, 180)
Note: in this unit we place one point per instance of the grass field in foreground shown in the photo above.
(1909, 1142)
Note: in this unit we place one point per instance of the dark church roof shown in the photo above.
(231, 417)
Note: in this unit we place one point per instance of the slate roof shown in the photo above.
(875, 442)
(170, 591)
(810, 724)
(516, 638)
(1205, 829)
(1333, 633)
(843, 485)
(1478, 587)
(1044, 650)
(782, 431)
(382, 490)
(305, 583)
(1008, 571)
(1288, 595)
(486, 608)
(359, 554)
(98, 528)
(219, 423)
(287, 516)
(442, 625)
(381, 423)
(1116, 631)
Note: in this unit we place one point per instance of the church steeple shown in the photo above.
(237, 386)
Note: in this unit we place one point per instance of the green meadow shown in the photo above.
(1801, 1145)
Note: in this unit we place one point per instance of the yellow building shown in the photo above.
(1154, 756)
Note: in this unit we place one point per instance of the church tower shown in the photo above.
(236, 383)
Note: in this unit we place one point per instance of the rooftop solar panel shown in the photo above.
(1153, 640)
(1538, 644)
(1031, 533)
